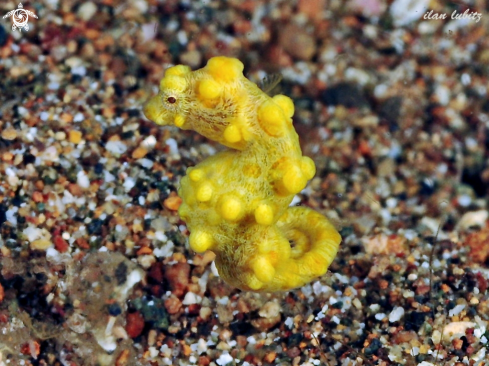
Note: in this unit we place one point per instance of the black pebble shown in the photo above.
(346, 94)
(3, 213)
(121, 273)
(3, 36)
(114, 309)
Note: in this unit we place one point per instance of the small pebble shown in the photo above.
(139, 153)
(297, 42)
(473, 218)
(75, 137)
(41, 244)
(456, 329)
(396, 314)
(191, 298)
(60, 135)
(172, 202)
(9, 134)
(173, 305)
(177, 276)
(134, 324)
(87, 10)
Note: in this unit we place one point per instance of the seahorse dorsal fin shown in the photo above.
(269, 82)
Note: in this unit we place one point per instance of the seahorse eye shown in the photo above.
(171, 100)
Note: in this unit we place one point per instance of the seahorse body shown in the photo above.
(236, 203)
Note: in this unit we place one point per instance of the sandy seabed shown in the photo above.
(95, 267)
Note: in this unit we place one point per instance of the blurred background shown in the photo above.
(391, 104)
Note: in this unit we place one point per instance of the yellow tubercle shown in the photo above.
(196, 175)
(232, 134)
(253, 283)
(263, 269)
(174, 83)
(294, 181)
(271, 118)
(178, 70)
(225, 68)
(204, 192)
(179, 120)
(286, 104)
(308, 167)
(209, 89)
(231, 208)
(264, 214)
(236, 202)
(184, 211)
(200, 241)
(291, 179)
(241, 122)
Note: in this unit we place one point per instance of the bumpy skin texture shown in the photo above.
(236, 203)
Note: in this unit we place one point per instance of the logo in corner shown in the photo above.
(20, 18)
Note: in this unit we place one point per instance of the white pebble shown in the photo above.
(224, 359)
(108, 177)
(149, 142)
(60, 135)
(426, 363)
(380, 316)
(13, 181)
(159, 235)
(149, 31)
(116, 147)
(443, 94)
(456, 329)
(380, 90)
(396, 314)
(53, 86)
(407, 11)
(473, 218)
(456, 310)
(11, 215)
(412, 277)
(223, 301)
(32, 233)
(129, 182)
(269, 310)
(464, 200)
(31, 134)
(153, 352)
(357, 303)
(87, 10)
(82, 179)
(44, 116)
(200, 346)
(134, 277)
(191, 298)
(296, 200)
(146, 261)
(146, 163)
(78, 117)
(80, 70)
(172, 144)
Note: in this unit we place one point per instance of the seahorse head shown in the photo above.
(212, 101)
(170, 105)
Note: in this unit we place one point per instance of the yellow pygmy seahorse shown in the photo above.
(236, 203)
